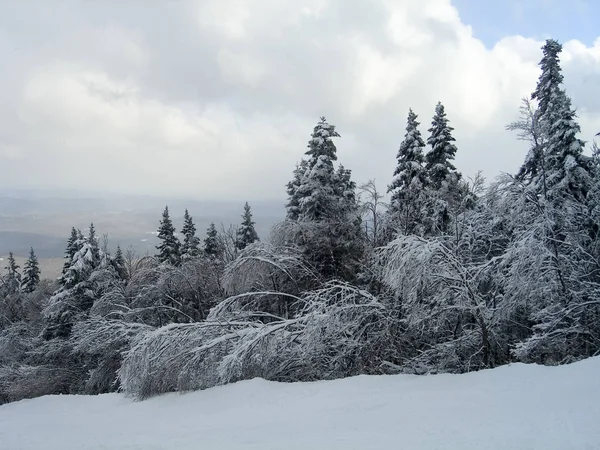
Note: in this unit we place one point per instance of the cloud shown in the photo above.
(217, 98)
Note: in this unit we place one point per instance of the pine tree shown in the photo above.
(410, 179)
(568, 171)
(293, 205)
(324, 209)
(555, 165)
(246, 233)
(12, 279)
(169, 248)
(71, 249)
(76, 295)
(439, 165)
(316, 192)
(119, 265)
(548, 95)
(94, 247)
(211, 242)
(190, 248)
(85, 260)
(31, 273)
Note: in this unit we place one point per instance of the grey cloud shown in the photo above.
(217, 98)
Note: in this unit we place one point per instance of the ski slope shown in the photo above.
(513, 407)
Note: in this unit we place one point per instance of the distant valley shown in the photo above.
(43, 221)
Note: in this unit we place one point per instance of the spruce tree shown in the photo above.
(323, 208)
(410, 179)
(169, 248)
(293, 205)
(12, 279)
(76, 295)
(85, 260)
(119, 265)
(246, 233)
(316, 193)
(190, 248)
(211, 242)
(94, 255)
(439, 165)
(568, 171)
(558, 167)
(71, 249)
(31, 273)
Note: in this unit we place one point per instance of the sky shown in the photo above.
(216, 99)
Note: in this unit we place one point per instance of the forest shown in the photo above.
(450, 275)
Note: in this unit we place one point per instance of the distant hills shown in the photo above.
(43, 220)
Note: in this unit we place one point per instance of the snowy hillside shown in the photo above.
(512, 407)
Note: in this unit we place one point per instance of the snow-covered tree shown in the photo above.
(410, 180)
(327, 221)
(447, 191)
(191, 243)
(76, 294)
(555, 164)
(373, 210)
(316, 192)
(31, 273)
(12, 278)
(556, 246)
(212, 247)
(293, 205)
(439, 158)
(71, 248)
(120, 264)
(246, 233)
(169, 248)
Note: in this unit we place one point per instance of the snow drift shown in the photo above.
(511, 407)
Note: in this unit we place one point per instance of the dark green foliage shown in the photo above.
(293, 205)
(246, 233)
(190, 248)
(212, 246)
(71, 248)
(439, 159)
(12, 279)
(169, 248)
(31, 273)
(410, 180)
(119, 265)
(324, 209)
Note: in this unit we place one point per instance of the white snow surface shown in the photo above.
(512, 407)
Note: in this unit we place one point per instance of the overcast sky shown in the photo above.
(217, 98)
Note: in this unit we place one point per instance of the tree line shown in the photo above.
(450, 275)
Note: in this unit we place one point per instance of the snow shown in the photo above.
(512, 407)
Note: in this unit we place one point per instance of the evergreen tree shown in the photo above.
(410, 179)
(93, 247)
(439, 165)
(190, 248)
(76, 295)
(12, 279)
(316, 193)
(557, 159)
(119, 265)
(568, 170)
(246, 233)
(31, 273)
(169, 248)
(71, 249)
(324, 208)
(211, 242)
(85, 260)
(293, 205)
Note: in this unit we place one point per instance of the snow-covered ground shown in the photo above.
(514, 407)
